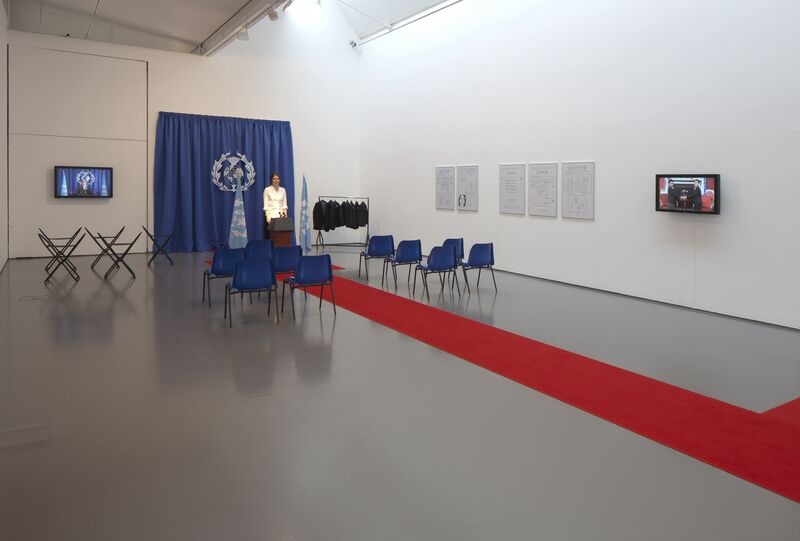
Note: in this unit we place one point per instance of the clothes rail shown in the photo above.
(320, 241)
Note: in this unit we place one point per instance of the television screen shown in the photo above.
(83, 181)
(698, 194)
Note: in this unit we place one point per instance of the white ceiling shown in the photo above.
(179, 25)
(186, 20)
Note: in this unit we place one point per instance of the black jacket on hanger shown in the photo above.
(318, 215)
(362, 214)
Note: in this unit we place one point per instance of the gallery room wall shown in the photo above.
(3, 143)
(299, 68)
(68, 110)
(639, 87)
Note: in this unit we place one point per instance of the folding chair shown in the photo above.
(49, 242)
(103, 249)
(119, 258)
(60, 253)
(159, 248)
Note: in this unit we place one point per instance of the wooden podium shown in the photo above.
(280, 231)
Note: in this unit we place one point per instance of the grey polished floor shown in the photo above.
(128, 411)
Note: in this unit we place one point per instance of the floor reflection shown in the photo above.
(314, 360)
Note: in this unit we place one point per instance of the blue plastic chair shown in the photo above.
(223, 265)
(259, 249)
(285, 258)
(378, 246)
(458, 246)
(409, 252)
(312, 270)
(481, 256)
(252, 275)
(441, 261)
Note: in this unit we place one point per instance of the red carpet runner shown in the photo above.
(762, 449)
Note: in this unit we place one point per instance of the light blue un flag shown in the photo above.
(305, 224)
(238, 232)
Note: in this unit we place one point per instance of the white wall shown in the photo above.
(99, 118)
(3, 141)
(640, 87)
(299, 68)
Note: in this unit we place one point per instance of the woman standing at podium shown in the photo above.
(275, 202)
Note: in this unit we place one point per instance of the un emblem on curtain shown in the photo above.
(227, 175)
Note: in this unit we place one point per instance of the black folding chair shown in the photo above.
(49, 242)
(159, 248)
(119, 258)
(60, 253)
(103, 250)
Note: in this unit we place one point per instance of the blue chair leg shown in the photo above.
(333, 299)
(359, 264)
(466, 281)
(478, 285)
(205, 275)
(425, 283)
(225, 316)
(493, 280)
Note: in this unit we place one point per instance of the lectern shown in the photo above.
(280, 231)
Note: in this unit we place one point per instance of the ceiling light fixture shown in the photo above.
(252, 12)
(388, 29)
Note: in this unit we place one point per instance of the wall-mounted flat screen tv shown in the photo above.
(697, 194)
(81, 182)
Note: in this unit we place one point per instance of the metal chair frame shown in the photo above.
(293, 285)
(60, 253)
(443, 277)
(159, 248)
(230, 291)
(119, 257)
(103, 249)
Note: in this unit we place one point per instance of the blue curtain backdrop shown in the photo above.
(189, 149)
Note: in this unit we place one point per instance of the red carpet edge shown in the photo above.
(762, 449)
